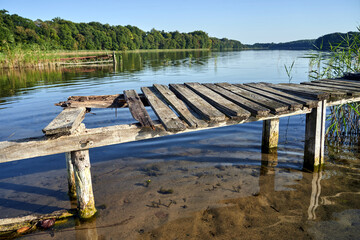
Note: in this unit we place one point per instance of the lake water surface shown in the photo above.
(223, 186)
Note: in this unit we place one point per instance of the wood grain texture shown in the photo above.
(334, 92)
(198, 104)
(342, 82)
(167, 117)
(66, 122)
(309, 102)
(300, 90)
(99, 101)
(293, 105)
(255, 109)
(275, 107)
(227, 107)
(137, 109)
(189, 116)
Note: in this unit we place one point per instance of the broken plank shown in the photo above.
(198, 104)
(66, 122)
(167, 117)
(293, 105)
(310, 102)
(229, 108)
(137, 108)
(255, 109)
(180, 107)
(99, 101)
(274, 106)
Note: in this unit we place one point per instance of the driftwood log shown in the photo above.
(14, 227)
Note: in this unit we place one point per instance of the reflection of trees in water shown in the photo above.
(15, 81)
(133, 62)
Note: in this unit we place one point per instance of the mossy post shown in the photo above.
(71, 176)
(84, 192)
(270, 135)
(315, 137)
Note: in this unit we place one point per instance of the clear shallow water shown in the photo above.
(189, 163)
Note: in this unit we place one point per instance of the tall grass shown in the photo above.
(342, 58)
(26, 56)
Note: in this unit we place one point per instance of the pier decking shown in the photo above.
(182, 108)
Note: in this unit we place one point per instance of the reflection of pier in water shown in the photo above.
(267, 182)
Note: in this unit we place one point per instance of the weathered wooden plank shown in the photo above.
(310, 102)
(275, 107)
(99, 101)
(137, 108)
(180, 107)
(229, 108)
(168, 118)
(348, 85)
(293, 105)
(255, 109)
(335, 91)
(198, 104)
(332, 93)
(299, 90)
(99, 137)
(66, 122)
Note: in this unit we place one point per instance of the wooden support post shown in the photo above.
(315, 137)
(71, 176)
(114, 60)
(84, 192)
(270, 135)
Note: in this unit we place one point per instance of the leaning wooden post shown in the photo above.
(84, 192)
(71, 176)
(315, 137)
(270, 135)
(114, 60)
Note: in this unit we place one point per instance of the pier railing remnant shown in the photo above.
(183, 108)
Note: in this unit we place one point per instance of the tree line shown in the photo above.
(323, 43)
(67, 35)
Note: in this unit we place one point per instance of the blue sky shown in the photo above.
(248, 21)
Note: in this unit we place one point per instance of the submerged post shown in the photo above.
(71, 176)
(270, 135)
(84, 192)
(315, 137)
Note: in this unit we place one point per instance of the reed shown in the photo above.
(27, 56)
(344, 57)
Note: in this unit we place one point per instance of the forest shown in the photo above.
(323, 43)
(60, 34)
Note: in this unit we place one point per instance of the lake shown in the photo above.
(223, 186)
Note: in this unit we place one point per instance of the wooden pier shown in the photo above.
(88, 61)
(182, 108)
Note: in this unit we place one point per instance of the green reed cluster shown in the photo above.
(343, 58)
(26, 56)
